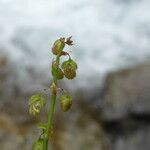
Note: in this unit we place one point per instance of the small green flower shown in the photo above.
(65, 102)
(36, 102)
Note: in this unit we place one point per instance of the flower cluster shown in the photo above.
(67, 69)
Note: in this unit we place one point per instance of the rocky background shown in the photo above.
(114, 116)
(111, 106)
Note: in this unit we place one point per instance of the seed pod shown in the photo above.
(69, 63)
(58, 46)
(69, 73)
(65, 102)
(69, 68)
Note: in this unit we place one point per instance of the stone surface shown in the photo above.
(125, 108)
(127, 92)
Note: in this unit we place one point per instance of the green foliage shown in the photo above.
(36, 102)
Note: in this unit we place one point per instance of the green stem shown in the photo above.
(51, 111)
(50, 121)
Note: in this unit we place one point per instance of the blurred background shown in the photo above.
(111, 105)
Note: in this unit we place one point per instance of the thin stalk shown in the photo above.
(51, 111)
(50, 120)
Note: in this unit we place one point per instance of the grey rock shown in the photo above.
(137, 140)
(127, 92)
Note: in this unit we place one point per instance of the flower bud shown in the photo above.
(59, 74)
(53, 88)
(56, 71)
(65, 102)
(58, 46)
